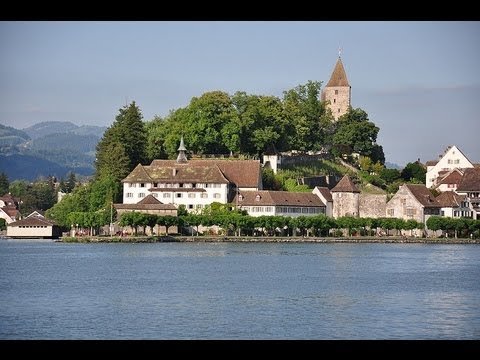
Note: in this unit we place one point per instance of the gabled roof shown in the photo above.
(325, 191)
(450, 177)
(278, 198)
(149, 200)
(470, 180)
(431, 163)
(423, 195)
(447, 149)
(243, 173)
(345, 185)
(10, 200)
(34, 221)
(339, 77)
(450, 199)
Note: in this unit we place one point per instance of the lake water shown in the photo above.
(238, 291)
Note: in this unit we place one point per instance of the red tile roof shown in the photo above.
(345, 185)
(450, 177)
(325, 191)
(450, 199)
(147, 203)
(34, 221)
(278, 198)
(243, 173)
(470, 180)
(423, 195)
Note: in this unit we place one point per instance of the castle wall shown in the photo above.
(372, 205)
(345, 204)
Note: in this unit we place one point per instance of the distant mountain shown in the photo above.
(390, 165)
(49, 127)
(48, 148)
(10, 136)
(31, 167)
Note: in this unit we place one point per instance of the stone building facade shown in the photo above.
(346, 198)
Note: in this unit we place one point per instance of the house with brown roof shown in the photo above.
(150, 205)
(9, 208)
(453, 205)
(451, 158)
(193, 183)
(326, 196)
(448, 180)
(279, 203)
(34, 226)
(413, 201)
(470, 187)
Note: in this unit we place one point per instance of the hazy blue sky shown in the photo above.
(418, 81)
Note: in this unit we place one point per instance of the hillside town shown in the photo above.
(451, 189)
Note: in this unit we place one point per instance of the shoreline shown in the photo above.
(223, 239)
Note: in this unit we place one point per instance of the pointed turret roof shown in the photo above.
(182, 145)
(182, 158)
(339, 77)
(345, 185)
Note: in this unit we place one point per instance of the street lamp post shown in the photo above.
(111, 218)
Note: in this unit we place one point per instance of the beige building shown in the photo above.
(469, 186)
(279, 203)
(35, 226)
(338, 91)
(413, 201)
(453, 205)
(326, 196)
(150, 205)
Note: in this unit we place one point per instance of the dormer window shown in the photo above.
(258, 197)
(240, 197)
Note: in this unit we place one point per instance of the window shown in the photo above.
(216, 196)
(455, 213)
(216, 186)
(391, 212)
(268, 209)
(179, 195)
(410, 212)
(334, 101)
(190, 206)
(305, 210)
(204, 195)
(240, 197)
(403, 201)
(180, 185)
(155, 184)
(338, 109)
(191, 196)
(166, 195)
(258, 197)
(442, 213)
(129, 195)
(450, 161)
(457, 161)
(142, 184)
(141, 195)
(132, 185)
(199, 206)
(336, 92)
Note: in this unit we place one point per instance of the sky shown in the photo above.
(419, 82)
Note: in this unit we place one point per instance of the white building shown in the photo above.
(193, 183)
(470, 187)
(454, 205)
(279, 203)
(448, 180)
(326, 196)
(451, 158)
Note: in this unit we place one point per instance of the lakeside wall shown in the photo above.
(217, 239)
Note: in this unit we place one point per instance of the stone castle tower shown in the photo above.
(338, 91)
(345, 197)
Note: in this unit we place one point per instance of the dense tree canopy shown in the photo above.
(123, 145)
(4, 183)
(414, 172)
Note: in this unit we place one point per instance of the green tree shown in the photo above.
(127, 131)
(414, 171)
(4, 183)
(389, 175)
(3, 224)
(356, 132)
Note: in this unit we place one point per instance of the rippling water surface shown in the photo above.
(238, 291)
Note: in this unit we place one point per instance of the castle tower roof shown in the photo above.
(339, 77)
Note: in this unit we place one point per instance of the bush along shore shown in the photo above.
(264, 239)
